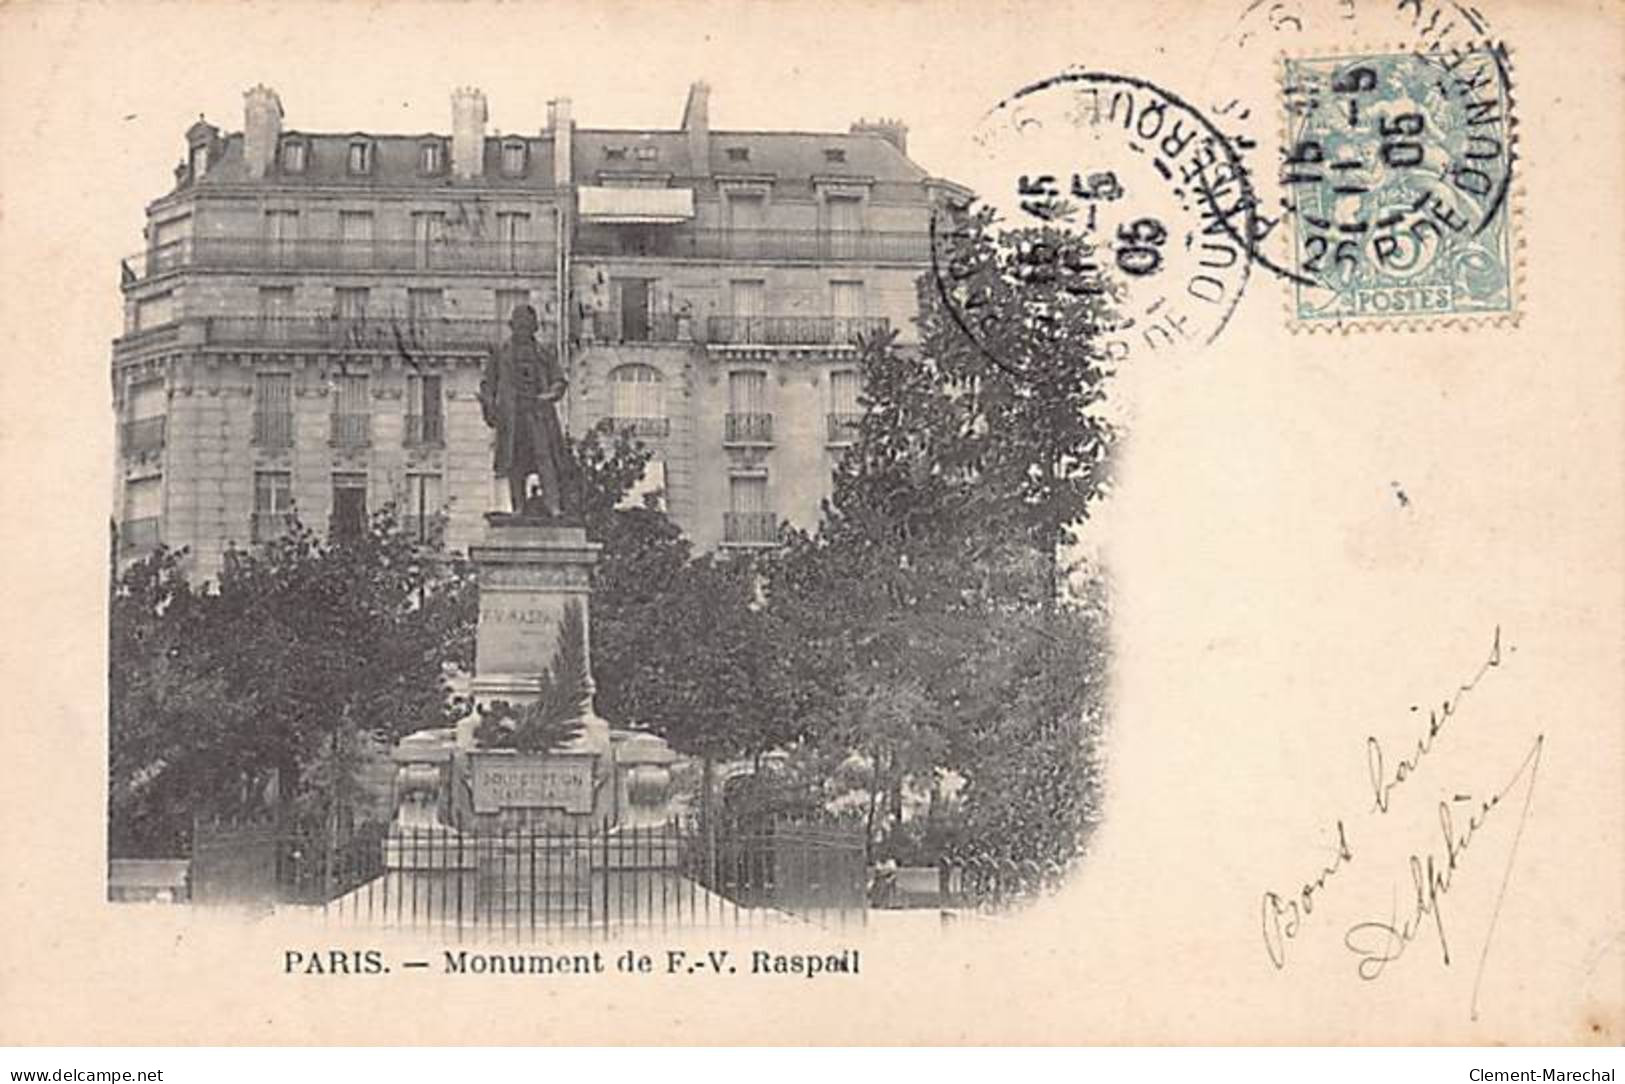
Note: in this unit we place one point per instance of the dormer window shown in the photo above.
(360, 156)
(514, 153)
(198, 162)
(834, 154)
(294, 153)
(648, 154)
(616, 154)
(738, 154)
(431, 156)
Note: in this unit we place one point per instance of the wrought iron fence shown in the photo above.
(750, 528)
(339, 254)
(535, 882)
(356, 332)
(860, 246)
(612, 325)
(747, 428)
(791, 330)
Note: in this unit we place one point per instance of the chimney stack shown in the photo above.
(697, 123)
(262, 128)
(891, 130)
(468, 117)
(563, 127)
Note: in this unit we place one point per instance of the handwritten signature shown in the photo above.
(1432, 874)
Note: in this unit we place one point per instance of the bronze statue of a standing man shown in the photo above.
(522, 381)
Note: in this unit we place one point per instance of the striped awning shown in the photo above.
(598, 203)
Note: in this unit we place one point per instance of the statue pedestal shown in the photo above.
(528, 571)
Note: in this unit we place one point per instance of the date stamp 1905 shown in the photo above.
(1397, 170)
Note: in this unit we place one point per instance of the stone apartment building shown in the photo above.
(307, 324)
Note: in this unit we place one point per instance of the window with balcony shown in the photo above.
(352, 411)
(749, 520)
(350, 302)
(349, 516)
(360, 160)
(425, 412)
(143, 512)
(843, 221)
(425, 507)
(748, 420)
(431, 156)
(144, 413)
(846, 305)
(631, 311)
(638, 400)
(515, 157)
(273, 504)
(845, 416)
(355, 239)
(294, 154)
(747, 308)
(273, 410)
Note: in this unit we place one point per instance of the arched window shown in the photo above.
(638, 399)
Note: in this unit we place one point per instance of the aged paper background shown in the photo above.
(1278, 603)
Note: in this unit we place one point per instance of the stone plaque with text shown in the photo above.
(506, 781)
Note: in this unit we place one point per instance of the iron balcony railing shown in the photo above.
(140, 534)
(357, 332)
(843, 427)
(351, 430)
(266, 526)
(143, 435)
(426, 430)
(747, 429)
(817, 246)
(614, 326)
(750, 528)
(791, 330)
(643, 427)
(334, 254)
(273, 429)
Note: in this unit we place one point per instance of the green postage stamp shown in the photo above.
(1397, 170)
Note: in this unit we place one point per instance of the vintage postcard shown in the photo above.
(856, 522)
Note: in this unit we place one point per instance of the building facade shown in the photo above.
(307, 324)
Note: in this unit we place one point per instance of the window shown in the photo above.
(748, 520)
(276, 312)
(638, 400)
(738, 154)
(514, 156)
(632, 309)
(293, 155)
(845, 301)
(349, 519)
(423, 306)
(843, 216)
(424, 506)
(198, 161)
(647, 153)
(360, 156)
(143, 511)
(425, 414)
(355, 239)
(513, 230)
(834, 154)
(281, 237)
(747, 301)
(273, 410)
(428, 232)
(350, 302)
(431, 156)
(352, 411)
(273, 504)
(144, 410)
(844, 413)
(615, 153)
(748, 420)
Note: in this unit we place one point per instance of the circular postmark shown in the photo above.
(1384, 173)
(1123, 188)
